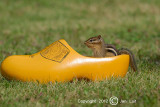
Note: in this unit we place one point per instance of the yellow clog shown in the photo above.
(59, 62)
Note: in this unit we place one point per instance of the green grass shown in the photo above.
(27, 26)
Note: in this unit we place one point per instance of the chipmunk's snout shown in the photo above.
(85, 42)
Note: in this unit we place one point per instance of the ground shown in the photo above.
(28, 26)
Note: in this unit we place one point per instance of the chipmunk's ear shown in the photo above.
(99, 36)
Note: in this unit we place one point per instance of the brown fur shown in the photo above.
(97, 45)
(100, 49)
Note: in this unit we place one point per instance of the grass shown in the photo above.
(28, 26)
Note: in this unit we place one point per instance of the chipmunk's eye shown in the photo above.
(90, 40)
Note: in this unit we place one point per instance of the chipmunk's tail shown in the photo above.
(132, 58)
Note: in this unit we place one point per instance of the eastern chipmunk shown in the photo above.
(100, 49)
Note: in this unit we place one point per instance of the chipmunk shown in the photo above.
(100, 49)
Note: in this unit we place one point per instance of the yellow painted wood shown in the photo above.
(59, 62)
